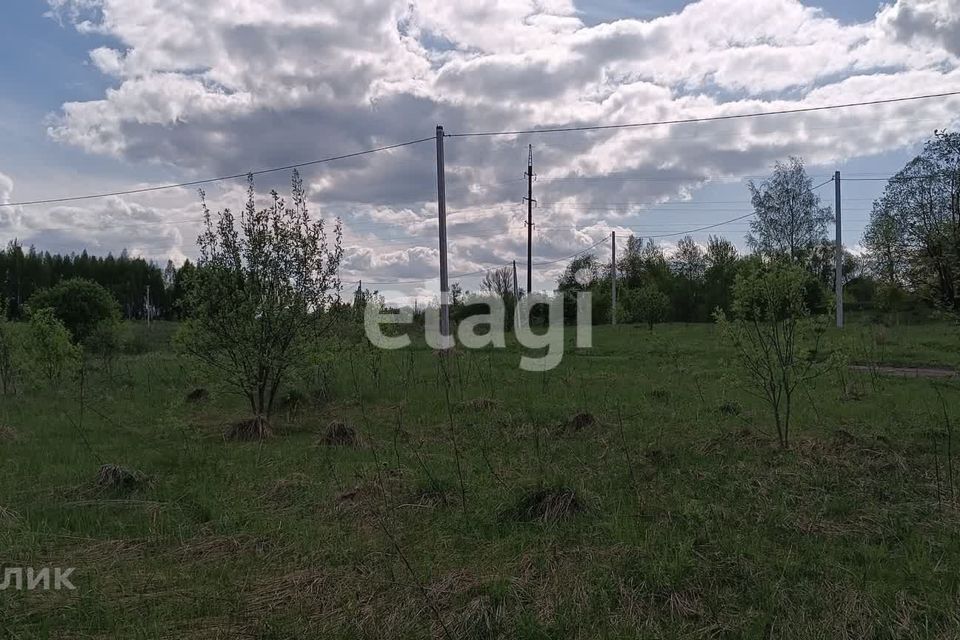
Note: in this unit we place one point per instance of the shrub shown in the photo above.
(647, 304)
(256, 299)
(776, 341)
(81, 305)
(48, 349)
(8, 369)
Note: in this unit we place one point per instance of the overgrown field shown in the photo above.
(635, 491)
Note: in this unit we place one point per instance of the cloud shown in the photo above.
(218, 88)
(924, 22)
(155, 228)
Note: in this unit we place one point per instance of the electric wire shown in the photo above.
(756, 114)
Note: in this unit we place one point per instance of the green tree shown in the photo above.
(8, 360)
(499, 282)
(81, 305)
(789, 220)
(48, 350)
(259, 294)
(647, 304)
(723, 263)
(776, 341)
(913, 237)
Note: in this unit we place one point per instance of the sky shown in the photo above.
(108, 95)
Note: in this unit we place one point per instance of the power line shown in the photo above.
(894, 178)
(666, 235)
(455, 275)
(758, 114)
(572, 255)
(235, 176)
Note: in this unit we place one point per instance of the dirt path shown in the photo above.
(907, 372)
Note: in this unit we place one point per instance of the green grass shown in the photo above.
(690, 521)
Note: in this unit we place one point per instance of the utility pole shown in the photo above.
(838, 267)
(442, 212)
(516, 294)
(148, 306)
(613, 278)
(529, 175)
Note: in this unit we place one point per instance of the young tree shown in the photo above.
(7, 357)
(789, 219)
(499, 282)
(688, 265)
(776, 342)
(723, 262)
(48, 349)
(582, 274)
(259, 294)
(653, 304)
(646, 304)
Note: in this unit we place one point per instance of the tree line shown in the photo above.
(25, 272)
(910, 262)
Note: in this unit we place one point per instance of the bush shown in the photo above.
(104, 343)
(48, 349)
(81, 305)
(647, 304)
(776, 340)
(7, 356)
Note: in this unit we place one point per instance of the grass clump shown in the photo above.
(113, 477)
(339, 434)
(582, 420)
(252, 429)
(546, 505)
(478, 404)
(198, 395)
(7, 434)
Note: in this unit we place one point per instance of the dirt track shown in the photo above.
(907, 372)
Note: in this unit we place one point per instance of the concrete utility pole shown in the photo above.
(442, 212)
(530, 201)
(516, 294)
(613, 278)
(838, 267)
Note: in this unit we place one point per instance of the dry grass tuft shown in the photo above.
(250, 430)
(730, 408)
(8, 434)
(116, 478)
(470, 609)
(582, 420)
(339, 434)
(101, 552)
(843, 437)
(290, 490)
(478, 404)
(546, 506)
(217, 547)
(370, 492)
(740, 438)
(8, 516)
(432, 496)
(304, 589)
(198, 395)
(483, 617)
(215, 628)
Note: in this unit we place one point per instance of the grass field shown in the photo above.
(635, 491)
